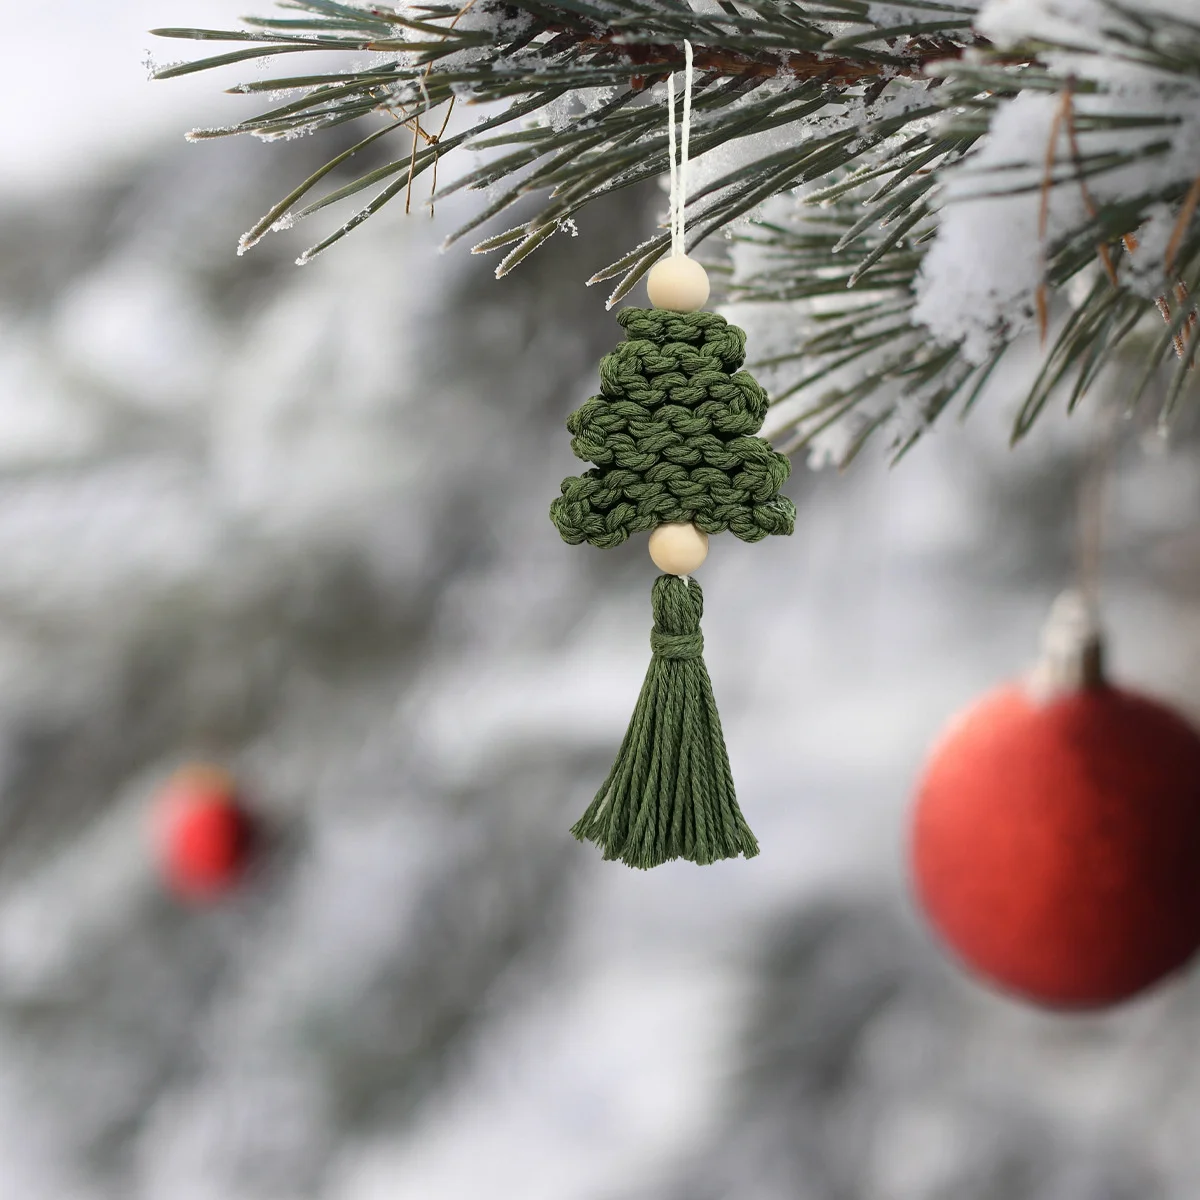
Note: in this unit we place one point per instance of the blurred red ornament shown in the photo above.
(204, 834)
(1056, 841)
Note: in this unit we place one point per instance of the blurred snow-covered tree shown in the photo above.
(282, 518)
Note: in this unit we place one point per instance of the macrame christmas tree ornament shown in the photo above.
(1055, 840)
(672, 437)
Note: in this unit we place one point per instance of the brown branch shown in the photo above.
(1162, 302)
(1181, 225)
(659, 59)
(1077, 161)
(1042, 295)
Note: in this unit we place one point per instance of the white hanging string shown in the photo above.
(679, 164)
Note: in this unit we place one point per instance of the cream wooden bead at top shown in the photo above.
(678, 283)
(678, 548)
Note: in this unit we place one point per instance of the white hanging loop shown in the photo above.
(679, 163)
(676, 281)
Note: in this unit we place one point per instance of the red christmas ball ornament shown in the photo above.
(1055, 841)
(204, 834)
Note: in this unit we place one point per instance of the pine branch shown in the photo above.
(533, 56)
(1112, 173)
(846, 145)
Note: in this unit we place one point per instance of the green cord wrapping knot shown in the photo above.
(671, 436)
(670, 793)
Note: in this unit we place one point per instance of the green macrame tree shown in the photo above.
(672, 437)
(671, 434)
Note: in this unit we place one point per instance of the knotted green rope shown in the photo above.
(670, 793)
(671, 437)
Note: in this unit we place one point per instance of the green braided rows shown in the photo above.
(671, 434)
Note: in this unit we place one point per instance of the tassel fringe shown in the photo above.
(670, 793)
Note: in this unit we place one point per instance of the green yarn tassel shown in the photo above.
(670, 792)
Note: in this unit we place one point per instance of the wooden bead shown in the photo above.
(678, 283)
(678, 548)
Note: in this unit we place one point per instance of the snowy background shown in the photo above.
(295, 520)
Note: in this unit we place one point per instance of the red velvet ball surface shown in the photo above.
(204, 835)
(1056, 846)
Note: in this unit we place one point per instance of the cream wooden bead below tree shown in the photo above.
(678, 548)
(678, 283)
